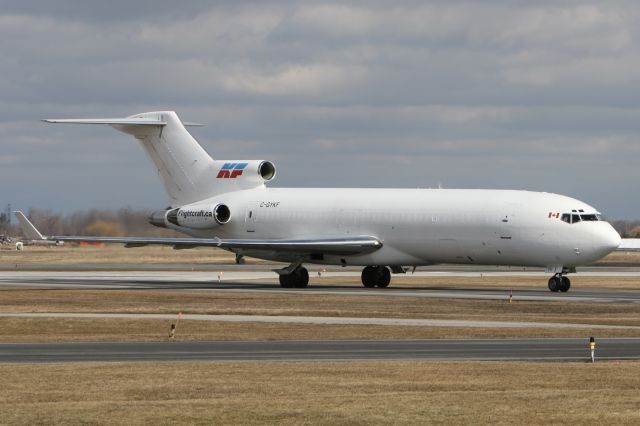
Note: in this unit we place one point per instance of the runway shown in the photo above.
(484, 350)
(240, 281)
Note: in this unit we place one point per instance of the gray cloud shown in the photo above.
(501, 94)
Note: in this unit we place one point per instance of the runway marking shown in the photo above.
(411, 322)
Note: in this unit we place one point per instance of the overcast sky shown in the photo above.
(539, 95)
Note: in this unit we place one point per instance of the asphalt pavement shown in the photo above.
(449, 349)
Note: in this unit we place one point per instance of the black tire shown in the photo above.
(384, 277)
(286, 281)
(554, 284)
(369, 276)
(566, 284)
(301, 277)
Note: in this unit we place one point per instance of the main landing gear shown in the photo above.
(298, 278)
(376, 276)
(559, 282)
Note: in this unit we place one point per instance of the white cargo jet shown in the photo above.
(226, 204)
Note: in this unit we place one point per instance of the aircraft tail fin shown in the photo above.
(187, 171)
(29, 231)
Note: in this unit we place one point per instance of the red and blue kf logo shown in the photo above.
(231, 170)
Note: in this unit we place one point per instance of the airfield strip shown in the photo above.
(416, 322)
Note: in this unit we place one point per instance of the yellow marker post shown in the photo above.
(592, 346)
(174, 326)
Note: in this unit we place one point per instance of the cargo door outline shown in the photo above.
(251, 216)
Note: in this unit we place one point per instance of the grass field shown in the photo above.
(354, 393)
(350, 392)
(306, 304)
(116, 253)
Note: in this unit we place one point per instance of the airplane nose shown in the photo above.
(608, 239)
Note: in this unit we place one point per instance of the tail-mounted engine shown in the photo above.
(195, 216)
(246, 173)
(225, 176)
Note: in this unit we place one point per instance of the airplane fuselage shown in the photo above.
(422, 226)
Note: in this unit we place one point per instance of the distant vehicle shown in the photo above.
(226, 204)
(31, 234)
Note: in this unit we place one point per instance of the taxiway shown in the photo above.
(486, 349)
(250, 281)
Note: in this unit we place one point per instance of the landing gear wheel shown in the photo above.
(373, 276)
(299, 278)
(286, 281)
(565, 284)
(554, 283)
(384, 277)
(369, 276)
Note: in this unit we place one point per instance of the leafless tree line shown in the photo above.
(119, 222)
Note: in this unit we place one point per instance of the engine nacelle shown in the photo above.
(247, 171)
(197, 216)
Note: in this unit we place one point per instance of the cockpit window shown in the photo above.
(578, 216)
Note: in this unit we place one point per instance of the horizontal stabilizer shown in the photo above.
(109, 121)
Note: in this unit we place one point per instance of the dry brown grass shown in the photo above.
(306, 304)
(313, 304)
(621, 258)
(357, 393)
(111, 330)
(116, 254)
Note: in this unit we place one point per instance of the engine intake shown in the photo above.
(267, 170)
(222, 213)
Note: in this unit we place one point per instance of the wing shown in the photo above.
(309, 246)
(298, 247)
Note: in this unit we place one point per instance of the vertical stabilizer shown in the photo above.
(186, 169)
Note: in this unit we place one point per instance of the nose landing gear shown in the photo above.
(559, 283)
